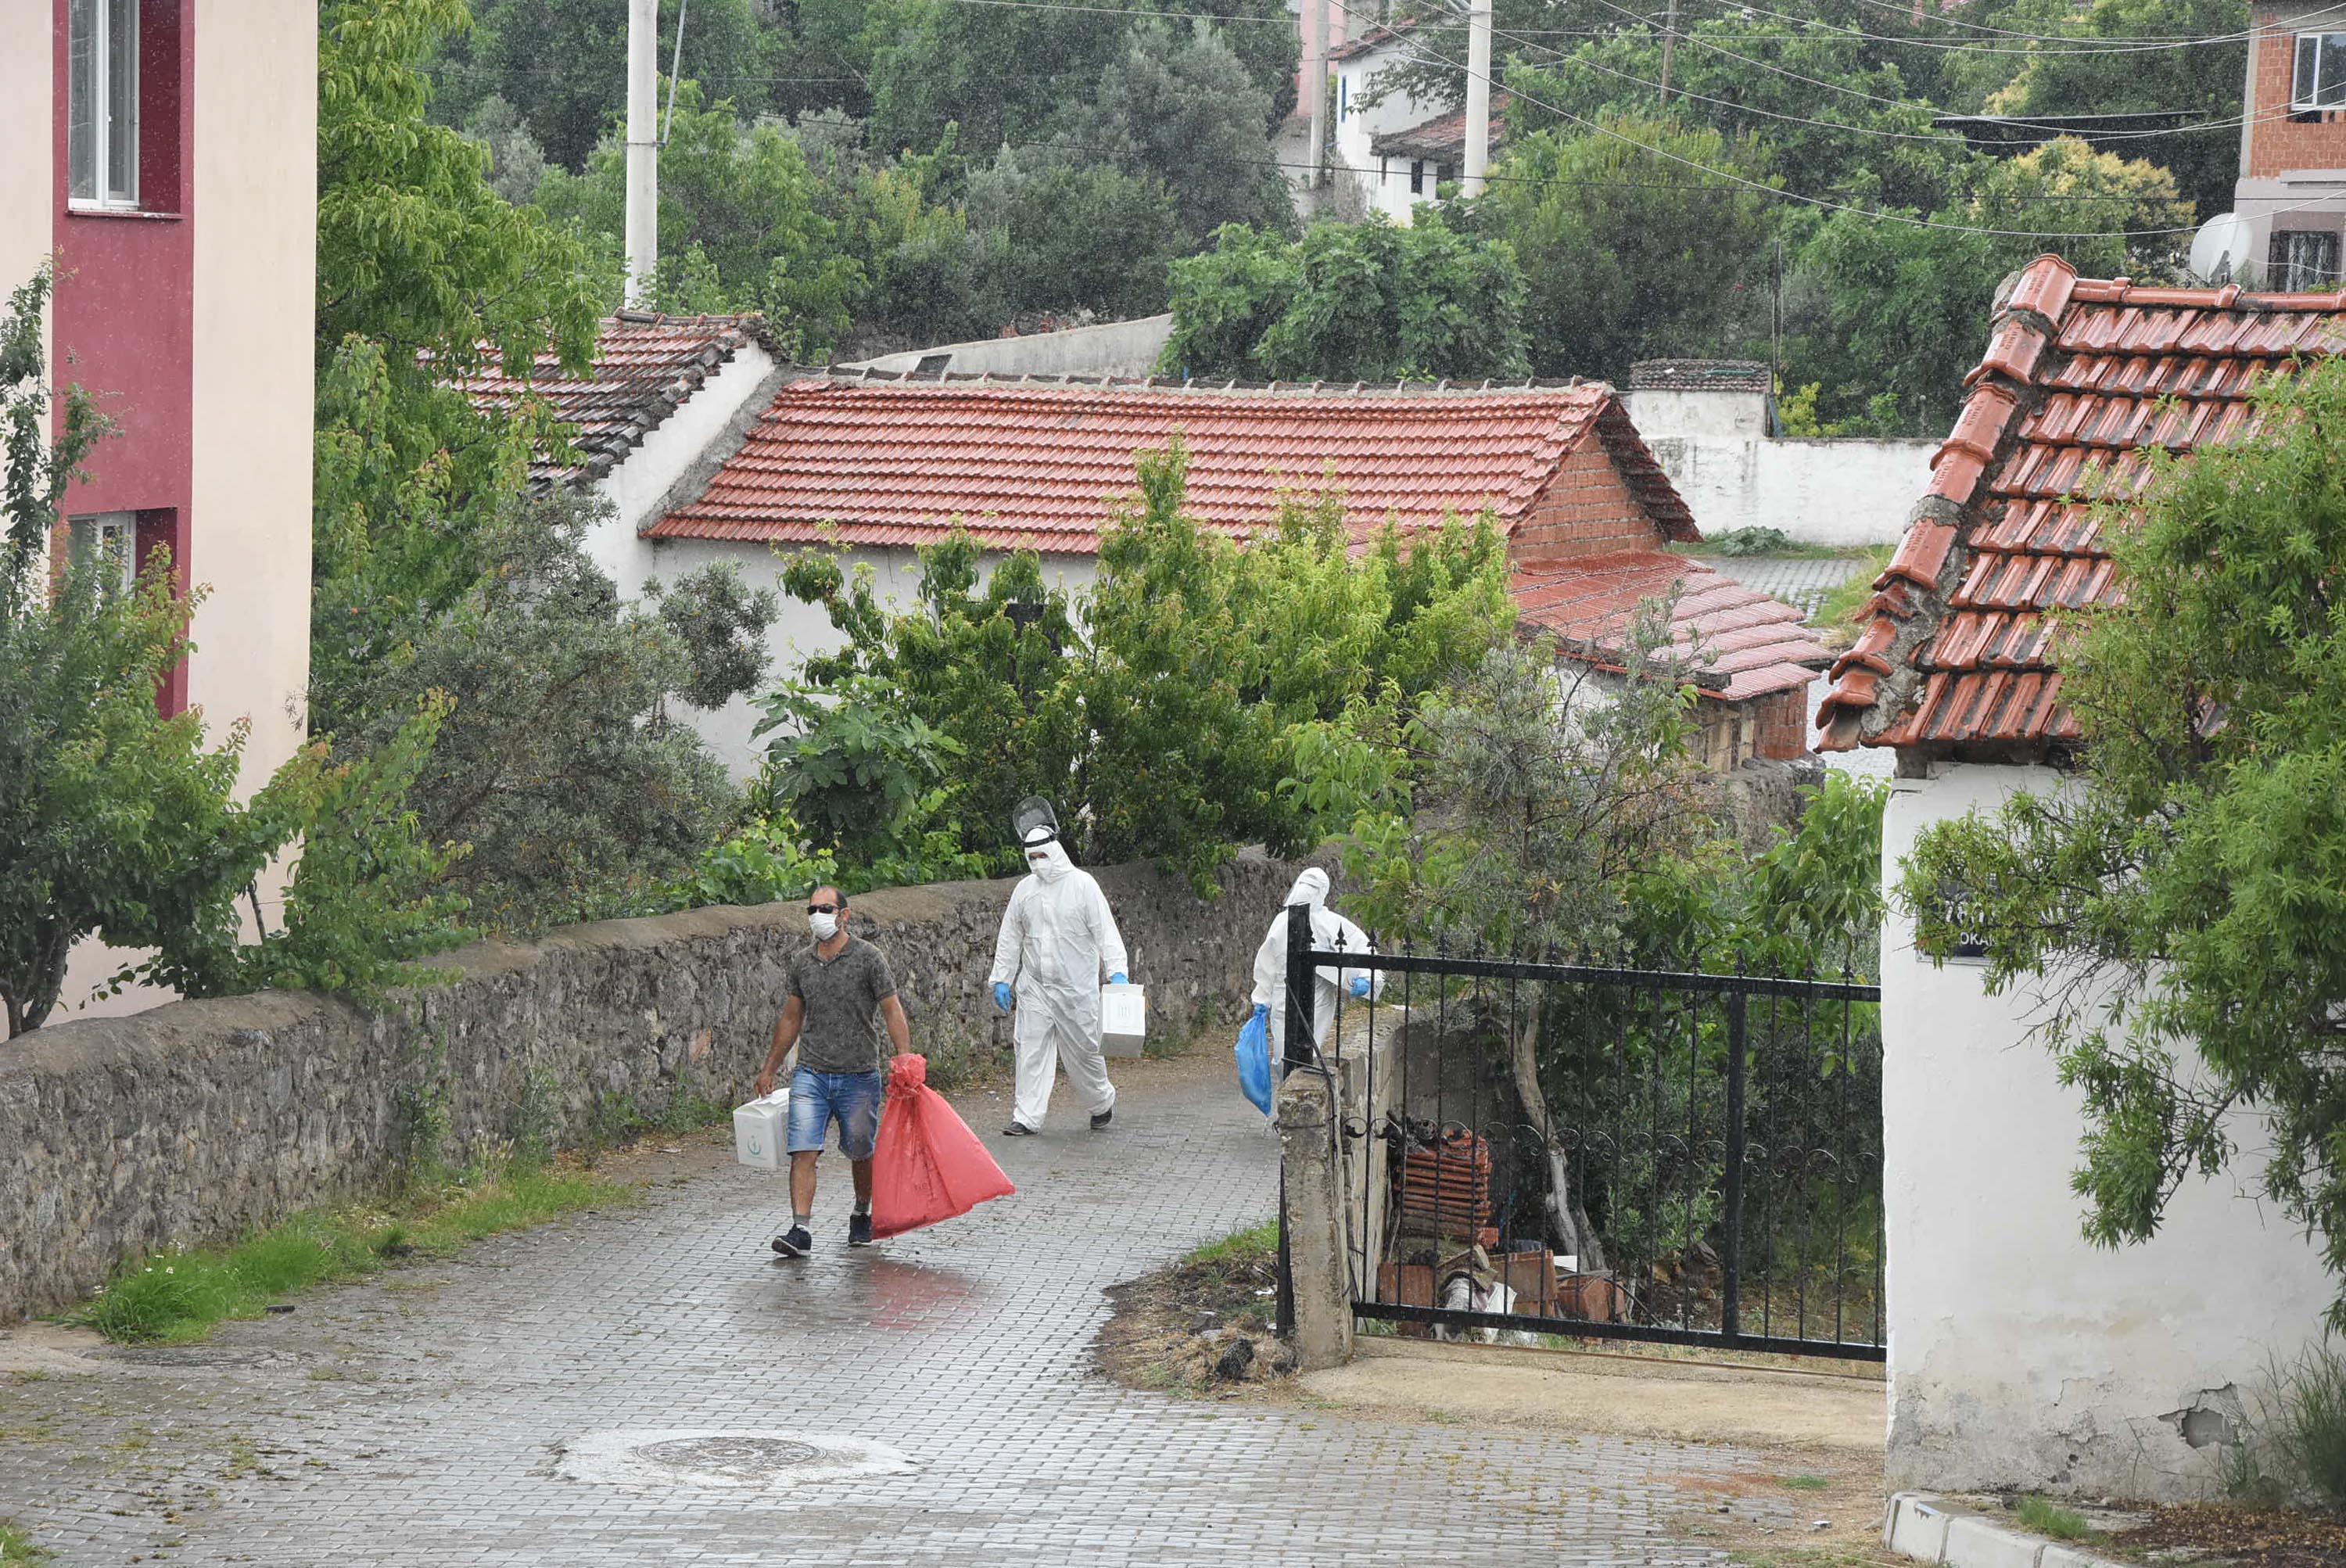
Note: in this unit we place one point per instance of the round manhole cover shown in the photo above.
(667, 1460)
(736, 1457)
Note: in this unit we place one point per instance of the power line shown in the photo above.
(2232, 122)
(1703, 41)
(2086, 46)
(1827, 204)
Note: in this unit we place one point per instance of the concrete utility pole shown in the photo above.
(1478, 97)
(1669, 42)
(1315, 84)
(643, 148)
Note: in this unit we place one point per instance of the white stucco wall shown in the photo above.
(28, 192)
(1818, 490)
(1740, 415)
(2021, 1355)
(696, 433)
(803, 629)
(1356, 125)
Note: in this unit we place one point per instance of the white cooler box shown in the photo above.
(762, 1132)
(1124, 1019)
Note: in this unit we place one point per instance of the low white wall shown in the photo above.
(1818, 490)
(803, 629)
(2021, 1355)
(699, 431)
(1106, 349)
(1699, 412)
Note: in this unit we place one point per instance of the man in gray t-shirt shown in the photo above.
(832, 991)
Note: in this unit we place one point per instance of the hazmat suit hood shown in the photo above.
(1310, 888)
(1049, 860)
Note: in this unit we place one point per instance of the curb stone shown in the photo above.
(1931, 1529)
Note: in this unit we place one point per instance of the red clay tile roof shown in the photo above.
(645, 365)
(1441, 138)
(1374, 40)
(1749, 645)
(2080, 377)
(874, 462)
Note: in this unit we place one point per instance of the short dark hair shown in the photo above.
(837, 896)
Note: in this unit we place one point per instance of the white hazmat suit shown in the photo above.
(1270, 962)
(1059, 941)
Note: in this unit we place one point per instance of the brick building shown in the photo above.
(2292, 185)
(875, 464)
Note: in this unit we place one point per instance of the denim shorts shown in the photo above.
(817, 1098)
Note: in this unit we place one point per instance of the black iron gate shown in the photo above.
(1586, 1150)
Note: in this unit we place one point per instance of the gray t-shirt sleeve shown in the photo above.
(882, 981)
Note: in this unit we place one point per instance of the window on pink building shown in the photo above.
(102, 90)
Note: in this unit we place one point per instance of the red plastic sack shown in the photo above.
(927, 1165)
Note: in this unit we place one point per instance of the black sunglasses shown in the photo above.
(822, 908)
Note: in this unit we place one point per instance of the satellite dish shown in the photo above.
(2221, 247)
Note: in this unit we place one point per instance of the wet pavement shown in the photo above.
(933, 1400)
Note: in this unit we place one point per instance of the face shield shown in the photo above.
(1033, 822)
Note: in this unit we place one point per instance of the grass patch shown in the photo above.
(1807, 1482)
(15, 1546)
(179, 1296)
(2292, 1444)
(1258, 1244)
(2049, 1518)
(1834, 611)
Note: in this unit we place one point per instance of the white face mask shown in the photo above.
(825, 926)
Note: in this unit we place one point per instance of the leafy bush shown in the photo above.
(1365, 301)
(554, 762)
(1164, 714)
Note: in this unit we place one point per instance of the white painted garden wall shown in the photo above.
(1836, 491)
(2020, 1355)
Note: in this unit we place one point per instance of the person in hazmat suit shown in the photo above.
(1329, 932)
(1058, 937)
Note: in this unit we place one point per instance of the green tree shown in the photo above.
(1182, 110)
(2180, 903)
(423, 270)
(562, 64)
(1064, 232)
(557, 763)
(1627, 256)
(1891, 315)
(1008, 74)
(1165, 713)
(119, 823)
(2062, 78)
(736, 202)
(1367, 301)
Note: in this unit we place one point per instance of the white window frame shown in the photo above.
(2305, 70)
(114, 127)
(112, 536)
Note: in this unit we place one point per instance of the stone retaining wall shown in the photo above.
(198, 1121)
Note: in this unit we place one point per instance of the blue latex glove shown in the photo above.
(1361, 986)
(1117, 979)
(1261, 1011)
(1002, 994)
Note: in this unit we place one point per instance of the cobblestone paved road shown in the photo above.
(419, 1420)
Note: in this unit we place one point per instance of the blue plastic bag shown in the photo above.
(1253, 1052)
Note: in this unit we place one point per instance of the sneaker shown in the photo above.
(859, 1230)
(1017, 1130)
(1103, 1118)
(794, 1242)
